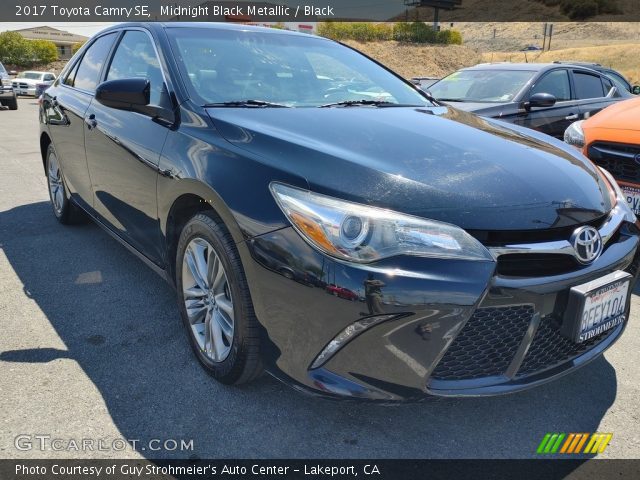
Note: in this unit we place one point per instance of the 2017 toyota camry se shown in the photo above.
(255, 168)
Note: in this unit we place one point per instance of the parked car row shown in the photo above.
(32, 83)
(545, 97)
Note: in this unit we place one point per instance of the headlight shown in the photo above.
(574, 135)
(620, 198)
(359, 233)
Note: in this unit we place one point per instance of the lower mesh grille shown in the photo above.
(486, 345)
(549, 349)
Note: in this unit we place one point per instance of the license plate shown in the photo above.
(632, 195)
(597, 306)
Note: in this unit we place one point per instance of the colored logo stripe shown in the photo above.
(574, 443)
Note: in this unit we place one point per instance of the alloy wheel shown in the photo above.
(207, 299)
(56, 187)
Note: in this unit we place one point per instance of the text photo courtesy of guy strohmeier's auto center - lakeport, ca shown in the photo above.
(306, 240)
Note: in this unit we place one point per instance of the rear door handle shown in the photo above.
(573, 116)
(91, 122)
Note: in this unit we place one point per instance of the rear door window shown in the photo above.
(588, 85)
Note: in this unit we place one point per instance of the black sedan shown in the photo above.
(545, 97)
(482, 257)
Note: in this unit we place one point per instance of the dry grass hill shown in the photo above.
(615, 44)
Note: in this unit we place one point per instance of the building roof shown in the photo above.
(45, 32)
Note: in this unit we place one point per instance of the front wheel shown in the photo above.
(12, 103)
(215, 304)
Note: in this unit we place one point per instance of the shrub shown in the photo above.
(44, 51)
(15, 50)
(583, 9)
(579, 9)
(416, 32)
(608, 6)
(449, 37)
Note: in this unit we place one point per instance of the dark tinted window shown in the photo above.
(135, 57)
(88, 75)
(49, 77)
(556, 83)
(588, 86)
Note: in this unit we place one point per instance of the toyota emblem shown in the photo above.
(637, 158)
(587, 244)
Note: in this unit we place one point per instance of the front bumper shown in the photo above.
(440, 327)
(31, 91)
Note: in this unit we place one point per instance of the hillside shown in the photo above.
(411, 60)
(623, 58)
(499, 36)
(511, 11)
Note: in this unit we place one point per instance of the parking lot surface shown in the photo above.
(92, 348)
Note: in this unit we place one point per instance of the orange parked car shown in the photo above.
(611, 139)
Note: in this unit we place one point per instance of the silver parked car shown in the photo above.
(26, 82)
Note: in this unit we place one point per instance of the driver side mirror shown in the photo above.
(124, 94)
(540, 100)
(636, 90)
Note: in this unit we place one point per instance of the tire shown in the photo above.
(12, 104)
(231, 355)
(64, 209)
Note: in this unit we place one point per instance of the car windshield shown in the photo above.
(31, 75)
(492, 86)
(232, 67)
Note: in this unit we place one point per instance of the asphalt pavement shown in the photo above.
(92, 349)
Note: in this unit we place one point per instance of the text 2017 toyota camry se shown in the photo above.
(253, 168)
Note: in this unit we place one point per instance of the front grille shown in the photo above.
(536, 265)
(550, 349)
(490, 339)
(617, 158)
(486, 345)
(498, 238)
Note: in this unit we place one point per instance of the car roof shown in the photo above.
(239, 27)
(530, 67)
(533, 67)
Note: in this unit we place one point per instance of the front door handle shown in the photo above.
(91, 122)
(573, 116)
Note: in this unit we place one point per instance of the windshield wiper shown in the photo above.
(451, 100)
(248, 104)
(357, 103)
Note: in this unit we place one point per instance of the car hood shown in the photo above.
(438, 162)
(620, 116)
